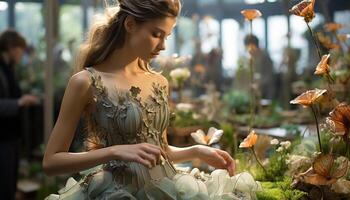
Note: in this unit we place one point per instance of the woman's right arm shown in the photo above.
(57, 159)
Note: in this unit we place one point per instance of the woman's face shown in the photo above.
(148, 39)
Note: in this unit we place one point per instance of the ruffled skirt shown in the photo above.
(102, 183)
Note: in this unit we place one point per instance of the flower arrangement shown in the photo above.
(178, 78)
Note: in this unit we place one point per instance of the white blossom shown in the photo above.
(280, 149)
(180, 74)
(285, 144)
(185, 107)
(274, 142)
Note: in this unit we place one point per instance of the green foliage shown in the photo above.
(185, 119)
(237, 100)
(279, 191)
(229, 138)
(292, 129)
(275, 169)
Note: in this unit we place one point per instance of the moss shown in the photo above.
(270, 192)
(279, 191)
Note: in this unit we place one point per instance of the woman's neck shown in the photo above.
(121, 60)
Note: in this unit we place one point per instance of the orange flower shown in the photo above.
(251, 14)
(325, 170)
(304, 9)
(199, 69)
(309, 97)
(332, 27)
(326, 41)
(339, 119)
(323, 67)
(249, 141)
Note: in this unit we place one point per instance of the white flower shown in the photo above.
(280, 149)
(286, 144)
(274, 142)
(180, 74)
(184, 107)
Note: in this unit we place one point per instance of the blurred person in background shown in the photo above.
(12, 46)
(262, 65)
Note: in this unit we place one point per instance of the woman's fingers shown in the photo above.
(230, 163)
(221, 160)
(150, 157)
(144, 162)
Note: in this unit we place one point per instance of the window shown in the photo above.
(3, 15)
(33, 31)
(209, 29)
(230, 44)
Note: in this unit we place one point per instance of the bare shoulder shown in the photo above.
(80, 81)
(159, 78)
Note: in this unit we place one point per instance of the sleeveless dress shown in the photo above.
(122, 118)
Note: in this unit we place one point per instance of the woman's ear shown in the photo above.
(129, 24)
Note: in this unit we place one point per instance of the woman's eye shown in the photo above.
(157, 35)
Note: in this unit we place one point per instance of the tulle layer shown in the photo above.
(100, 185)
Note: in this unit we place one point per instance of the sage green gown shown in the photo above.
(120, 117)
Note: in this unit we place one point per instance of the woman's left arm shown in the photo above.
(215, 157)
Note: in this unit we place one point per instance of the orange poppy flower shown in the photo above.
(339, 119)
(309, 97)
(250, 140)
(251, 14)
(323, 67)
(332, 27)
(304, 9)
(326, 170)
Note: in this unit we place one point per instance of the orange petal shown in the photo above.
(250, 140)
(309, 97)
(323, 67)
(251, 14)
(332, 27)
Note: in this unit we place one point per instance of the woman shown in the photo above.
(125, 105)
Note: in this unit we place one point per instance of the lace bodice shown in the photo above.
(123, 118)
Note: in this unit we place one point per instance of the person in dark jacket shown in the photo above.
(12, 46)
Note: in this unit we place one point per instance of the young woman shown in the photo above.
(125, 105)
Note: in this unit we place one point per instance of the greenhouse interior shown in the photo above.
(175, 99)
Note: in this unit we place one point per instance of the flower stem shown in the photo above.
(347, 153)
(251, 73)
(318, 131)
(257, 159)
(314, 39)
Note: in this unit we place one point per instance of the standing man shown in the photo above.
(262, 65)
(12, 46)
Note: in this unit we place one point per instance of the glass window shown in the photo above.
(277, 32)
(71, 28)
(343, 17)
(33, 31)
(209, 29)
(230, 44)
(187, 29)
(3, 15)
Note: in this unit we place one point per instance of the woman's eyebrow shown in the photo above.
(162, 31)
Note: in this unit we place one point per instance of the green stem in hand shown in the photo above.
(257, 160)
(318, 131)
(314, 39)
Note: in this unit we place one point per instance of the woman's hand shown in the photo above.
(217, 158)
(144, 153)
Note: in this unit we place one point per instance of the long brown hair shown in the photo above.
(108, 33)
